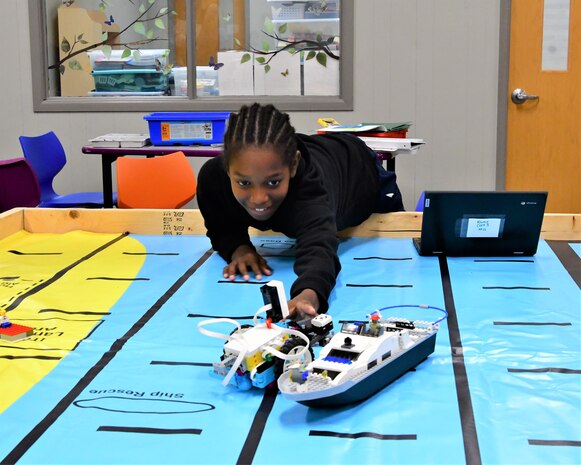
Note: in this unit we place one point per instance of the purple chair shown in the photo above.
(18, 185)
(46, 155)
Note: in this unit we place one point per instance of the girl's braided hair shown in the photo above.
(259, 125)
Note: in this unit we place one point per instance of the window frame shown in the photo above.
(42, 102)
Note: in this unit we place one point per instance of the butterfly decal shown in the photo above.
(213, 64)
(285, 72)
(111, 21)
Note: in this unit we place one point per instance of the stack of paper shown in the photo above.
(120, 140)
(369, 129)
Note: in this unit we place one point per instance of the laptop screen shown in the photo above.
(469, 223)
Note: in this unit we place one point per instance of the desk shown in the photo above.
(110, 154)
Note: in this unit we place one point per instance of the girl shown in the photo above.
(306, 187)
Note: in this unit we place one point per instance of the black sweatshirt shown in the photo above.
(336, 186)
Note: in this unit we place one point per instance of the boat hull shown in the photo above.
(374, 382)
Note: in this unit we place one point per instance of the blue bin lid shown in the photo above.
(187, 116)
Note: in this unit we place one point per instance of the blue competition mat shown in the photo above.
(503, 385)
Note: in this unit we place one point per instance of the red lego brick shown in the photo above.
(16, 332)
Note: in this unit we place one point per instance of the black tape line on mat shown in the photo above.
(568, 258)
(469, 434)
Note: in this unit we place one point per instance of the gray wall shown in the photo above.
(432, 62)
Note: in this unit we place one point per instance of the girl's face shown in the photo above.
(260, 178)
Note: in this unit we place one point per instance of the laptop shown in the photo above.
(462, 223)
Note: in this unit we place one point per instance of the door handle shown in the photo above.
(519, 96)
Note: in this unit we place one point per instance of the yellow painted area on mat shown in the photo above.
(65, 311)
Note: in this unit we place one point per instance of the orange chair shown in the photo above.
(166, 181)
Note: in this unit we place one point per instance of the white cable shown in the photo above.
(213, 333)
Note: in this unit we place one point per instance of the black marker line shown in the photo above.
(566, 371)
(568, 258)
(257, 428)
(62, 272)
(139, 429)
(227, 281)
(44, 349)
(108, 278)
(383, 437)
(529, 323)
(378, 285)
(9, 278)
(546, 442)
(35, 357)
(195, 364)
(18, 252)
(467, 422)
(511, 288)
(67, 312)
(505, 260)
(202, 315)
(151, 253)
(27, 441)
(382, 258)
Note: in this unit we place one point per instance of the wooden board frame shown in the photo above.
(556, 226)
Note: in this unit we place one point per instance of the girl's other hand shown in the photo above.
(245, 260)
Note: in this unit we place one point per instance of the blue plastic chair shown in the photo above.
(420, 204)
(46, 155)
(18, 185)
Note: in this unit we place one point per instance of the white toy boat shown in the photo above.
(361, 359)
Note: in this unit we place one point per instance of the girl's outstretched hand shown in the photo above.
(304, 305)
(245, 260)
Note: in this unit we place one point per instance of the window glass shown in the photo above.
(131, 51)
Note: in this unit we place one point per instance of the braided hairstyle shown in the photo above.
(256, 126)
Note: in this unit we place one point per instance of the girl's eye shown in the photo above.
(243, 183)
(274, 183)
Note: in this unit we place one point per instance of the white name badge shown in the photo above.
(484, 227)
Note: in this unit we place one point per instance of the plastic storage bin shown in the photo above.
(187, 128)
(130, 80)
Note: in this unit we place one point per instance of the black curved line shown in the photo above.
(196, 364)
(382, 258)
(499, 260)
(17, 252)
(364, 434)
(108, 278)
(378, 285)
(566, 371)
(79, 404)
(9, 278)
(67, 312)
(143, 430)
(64, 271)
(510, 288)
(529, 323)
(35, 357)
(227, 281)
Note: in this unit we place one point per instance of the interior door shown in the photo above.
(544, 134)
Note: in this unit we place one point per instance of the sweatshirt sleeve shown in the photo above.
(226, 228)
(316, 263)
